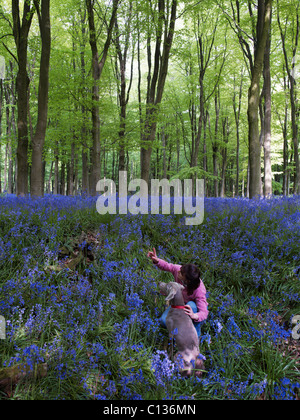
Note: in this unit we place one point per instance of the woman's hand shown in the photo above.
(153, 256)
(189, 311)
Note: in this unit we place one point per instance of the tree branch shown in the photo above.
(8, 50)
(109, 35)
(3, 36)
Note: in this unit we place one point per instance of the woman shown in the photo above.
(194, 293)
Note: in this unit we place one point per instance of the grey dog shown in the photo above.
(181, 328)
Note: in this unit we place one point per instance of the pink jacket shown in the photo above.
(198, 296)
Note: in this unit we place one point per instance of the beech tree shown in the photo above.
(263, 26)
(260, 33)
(290, 63)
(97, 67)
(21, 29)
(165, 26)
(38, 140)
(121, 65)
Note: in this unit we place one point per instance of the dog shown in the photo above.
(181, 328)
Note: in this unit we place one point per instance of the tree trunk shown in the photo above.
(284, 126)
(267, 120)
(263, 19)
(205, 148)
(203, 62)
(85, 170)
(293, 97)
(8, 144)
(237, 114)
(56, 170)
(156, 85)
(259, 34)
(22, 148)
(97, 67)
(1, 107)
(225, 125)
(38, 141)
(84, 152)
(49, 186)
(71, 171)
(96, 149)
(215, 145)
(123, 96)
(20, 32)
(62, 187)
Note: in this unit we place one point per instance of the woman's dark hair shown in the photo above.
(192, 274)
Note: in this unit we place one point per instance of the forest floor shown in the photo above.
(80, 300)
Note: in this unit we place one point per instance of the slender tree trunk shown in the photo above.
(177, 146)
(1, 107)
(215, 145)
(97, 67)
(263, 24)
(293, 96)
(139, 79)
(203, 62)
(237, 114)
(38, 141)
(62, 186)
(284, 126)
(71, 171)
(205, 147)
(85, 169)
(84, 151)
(96, 148)
(164, 138)
(5, 168)
(267, 120)
(204, 56)
(49, 186)
(56, 170)
(76, 180)
(225, 125)
(158, 79)
(8, 166)
(8, 144)
(123, 96)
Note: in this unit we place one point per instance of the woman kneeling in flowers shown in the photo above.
(194, 293)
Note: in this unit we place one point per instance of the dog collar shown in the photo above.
(177, 307)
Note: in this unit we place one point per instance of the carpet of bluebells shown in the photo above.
(95, 327)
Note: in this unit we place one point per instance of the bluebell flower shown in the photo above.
(164, 369)
(134, 302)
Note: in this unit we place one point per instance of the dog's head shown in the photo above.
(170, 289)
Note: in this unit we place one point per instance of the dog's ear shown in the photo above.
(162, 288)
(171, 292)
